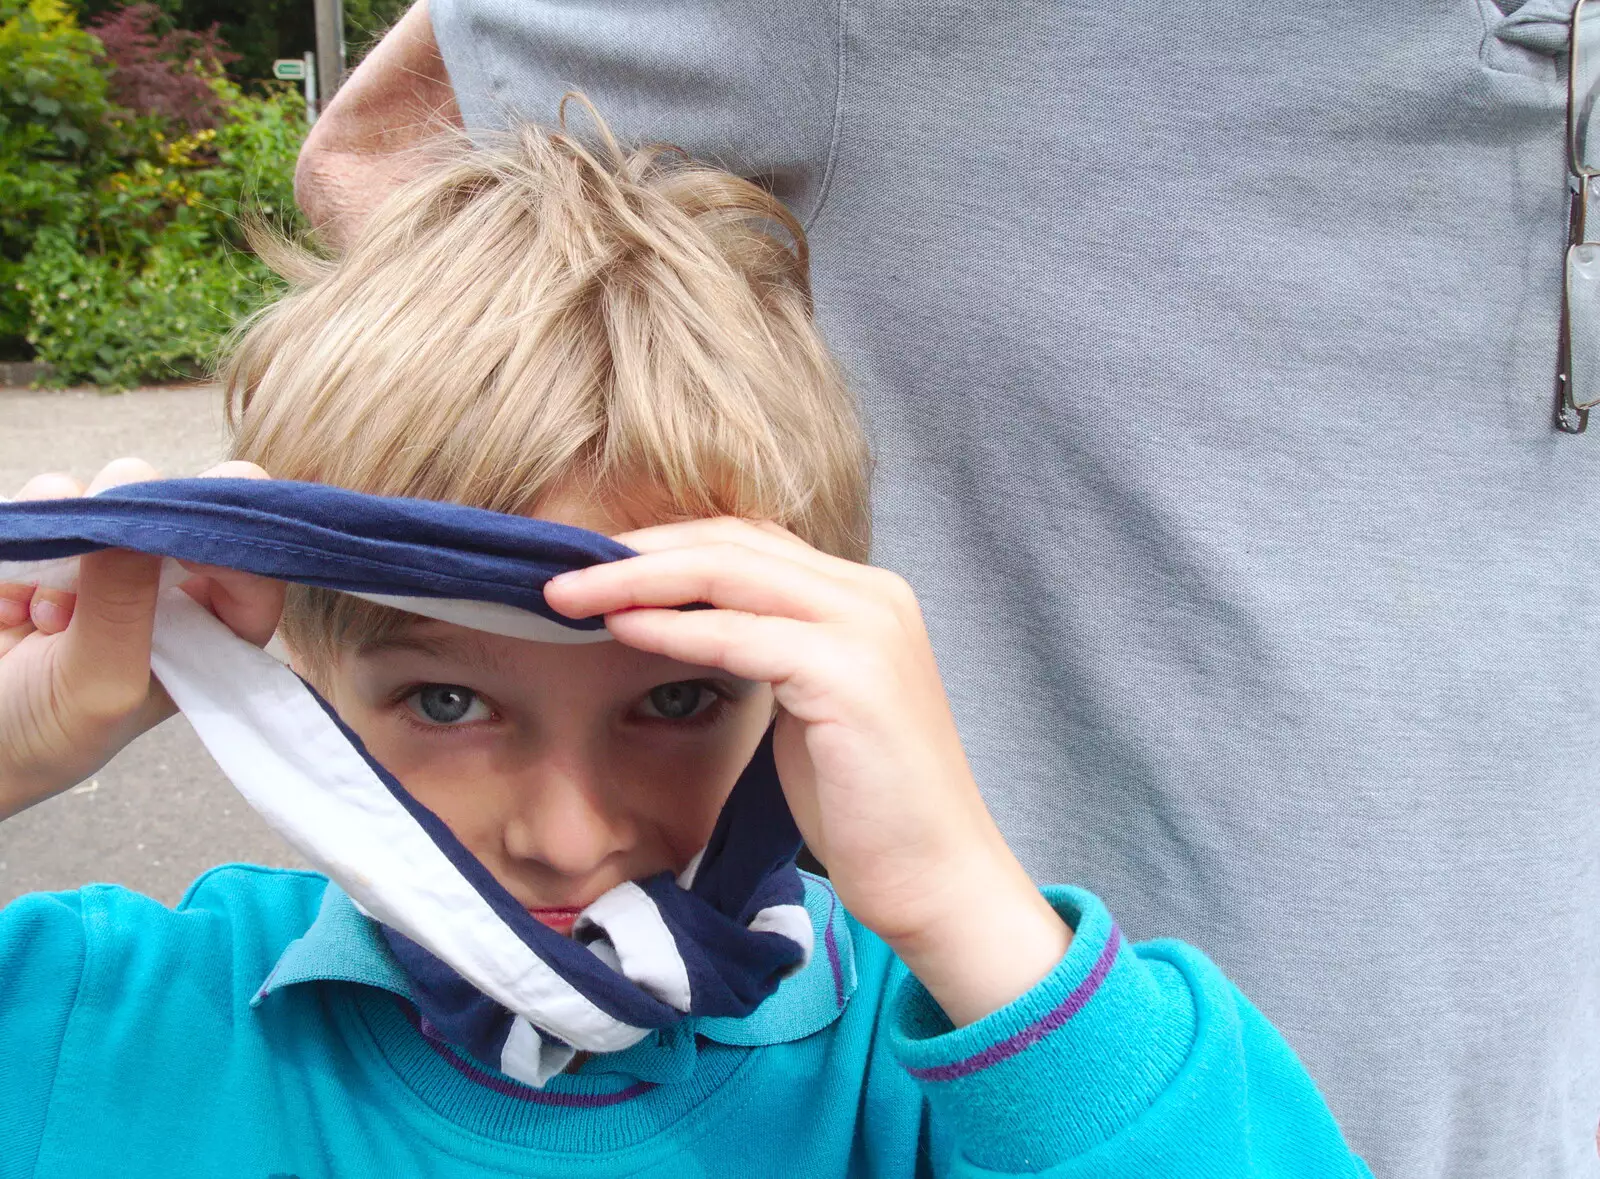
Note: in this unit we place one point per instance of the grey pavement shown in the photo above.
(160, 813)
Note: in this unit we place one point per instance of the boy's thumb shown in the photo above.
(105, 657)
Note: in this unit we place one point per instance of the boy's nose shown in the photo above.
(564, 820)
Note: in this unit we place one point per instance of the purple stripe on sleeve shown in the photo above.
(1036, 1031)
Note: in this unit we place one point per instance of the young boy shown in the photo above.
(619, 343)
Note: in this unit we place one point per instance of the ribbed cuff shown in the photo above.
(1066, 1066)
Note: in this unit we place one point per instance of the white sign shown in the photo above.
(289, 69)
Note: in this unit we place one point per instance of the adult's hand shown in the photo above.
(374, 134)
(75, 681)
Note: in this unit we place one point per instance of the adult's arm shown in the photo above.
(747, 84)
(376, 131)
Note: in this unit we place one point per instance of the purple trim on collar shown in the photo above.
(266, 986)
(833, 952)
(506, 1087)
(1035, 1031)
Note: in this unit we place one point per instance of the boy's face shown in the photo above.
(566, 770)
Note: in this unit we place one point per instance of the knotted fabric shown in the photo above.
(486, 975)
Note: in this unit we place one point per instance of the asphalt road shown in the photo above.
(160, 813)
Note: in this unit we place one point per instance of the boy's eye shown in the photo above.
(447, 704)
(679, 701)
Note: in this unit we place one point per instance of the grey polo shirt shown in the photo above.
(1208, 354)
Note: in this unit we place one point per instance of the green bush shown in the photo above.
(122, 253)
(261, 30)
(145, 283)
(54, 136)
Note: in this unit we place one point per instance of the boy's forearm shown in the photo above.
(997, 938)
(372, 136)
(1124, 1060)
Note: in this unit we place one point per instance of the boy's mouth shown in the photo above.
(559, 919)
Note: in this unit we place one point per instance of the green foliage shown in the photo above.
(117, 325)
(257, 30)
(88, 10)
(261, 30)
(121, 259)
(55, 133)
(366, 21)
(52, 91)
(146, 281)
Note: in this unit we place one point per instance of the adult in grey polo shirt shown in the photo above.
(1208, 355)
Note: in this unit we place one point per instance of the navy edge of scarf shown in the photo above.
(342, 540)
(317, 535)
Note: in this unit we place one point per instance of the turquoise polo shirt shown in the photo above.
(261, 1030)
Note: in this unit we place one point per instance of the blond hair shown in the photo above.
(535, 318)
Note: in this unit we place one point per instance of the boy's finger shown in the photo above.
(235, 469)
(760, 535)
(16, 601)
(51, 610)
(249, 605)
(727, 576)
(54, 485)
(16, 610)
(767, 650)
(11, 636)
(705, 528)
(120, 471)
(106, 649)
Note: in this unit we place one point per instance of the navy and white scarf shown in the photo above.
(486, 975)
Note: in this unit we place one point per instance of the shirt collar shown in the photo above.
(343, 945)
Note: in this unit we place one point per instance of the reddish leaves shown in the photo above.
(166, 75)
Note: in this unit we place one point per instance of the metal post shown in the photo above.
(330, 48)
(311, 87)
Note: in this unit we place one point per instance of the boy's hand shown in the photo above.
(75, 682)
(866, 747)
